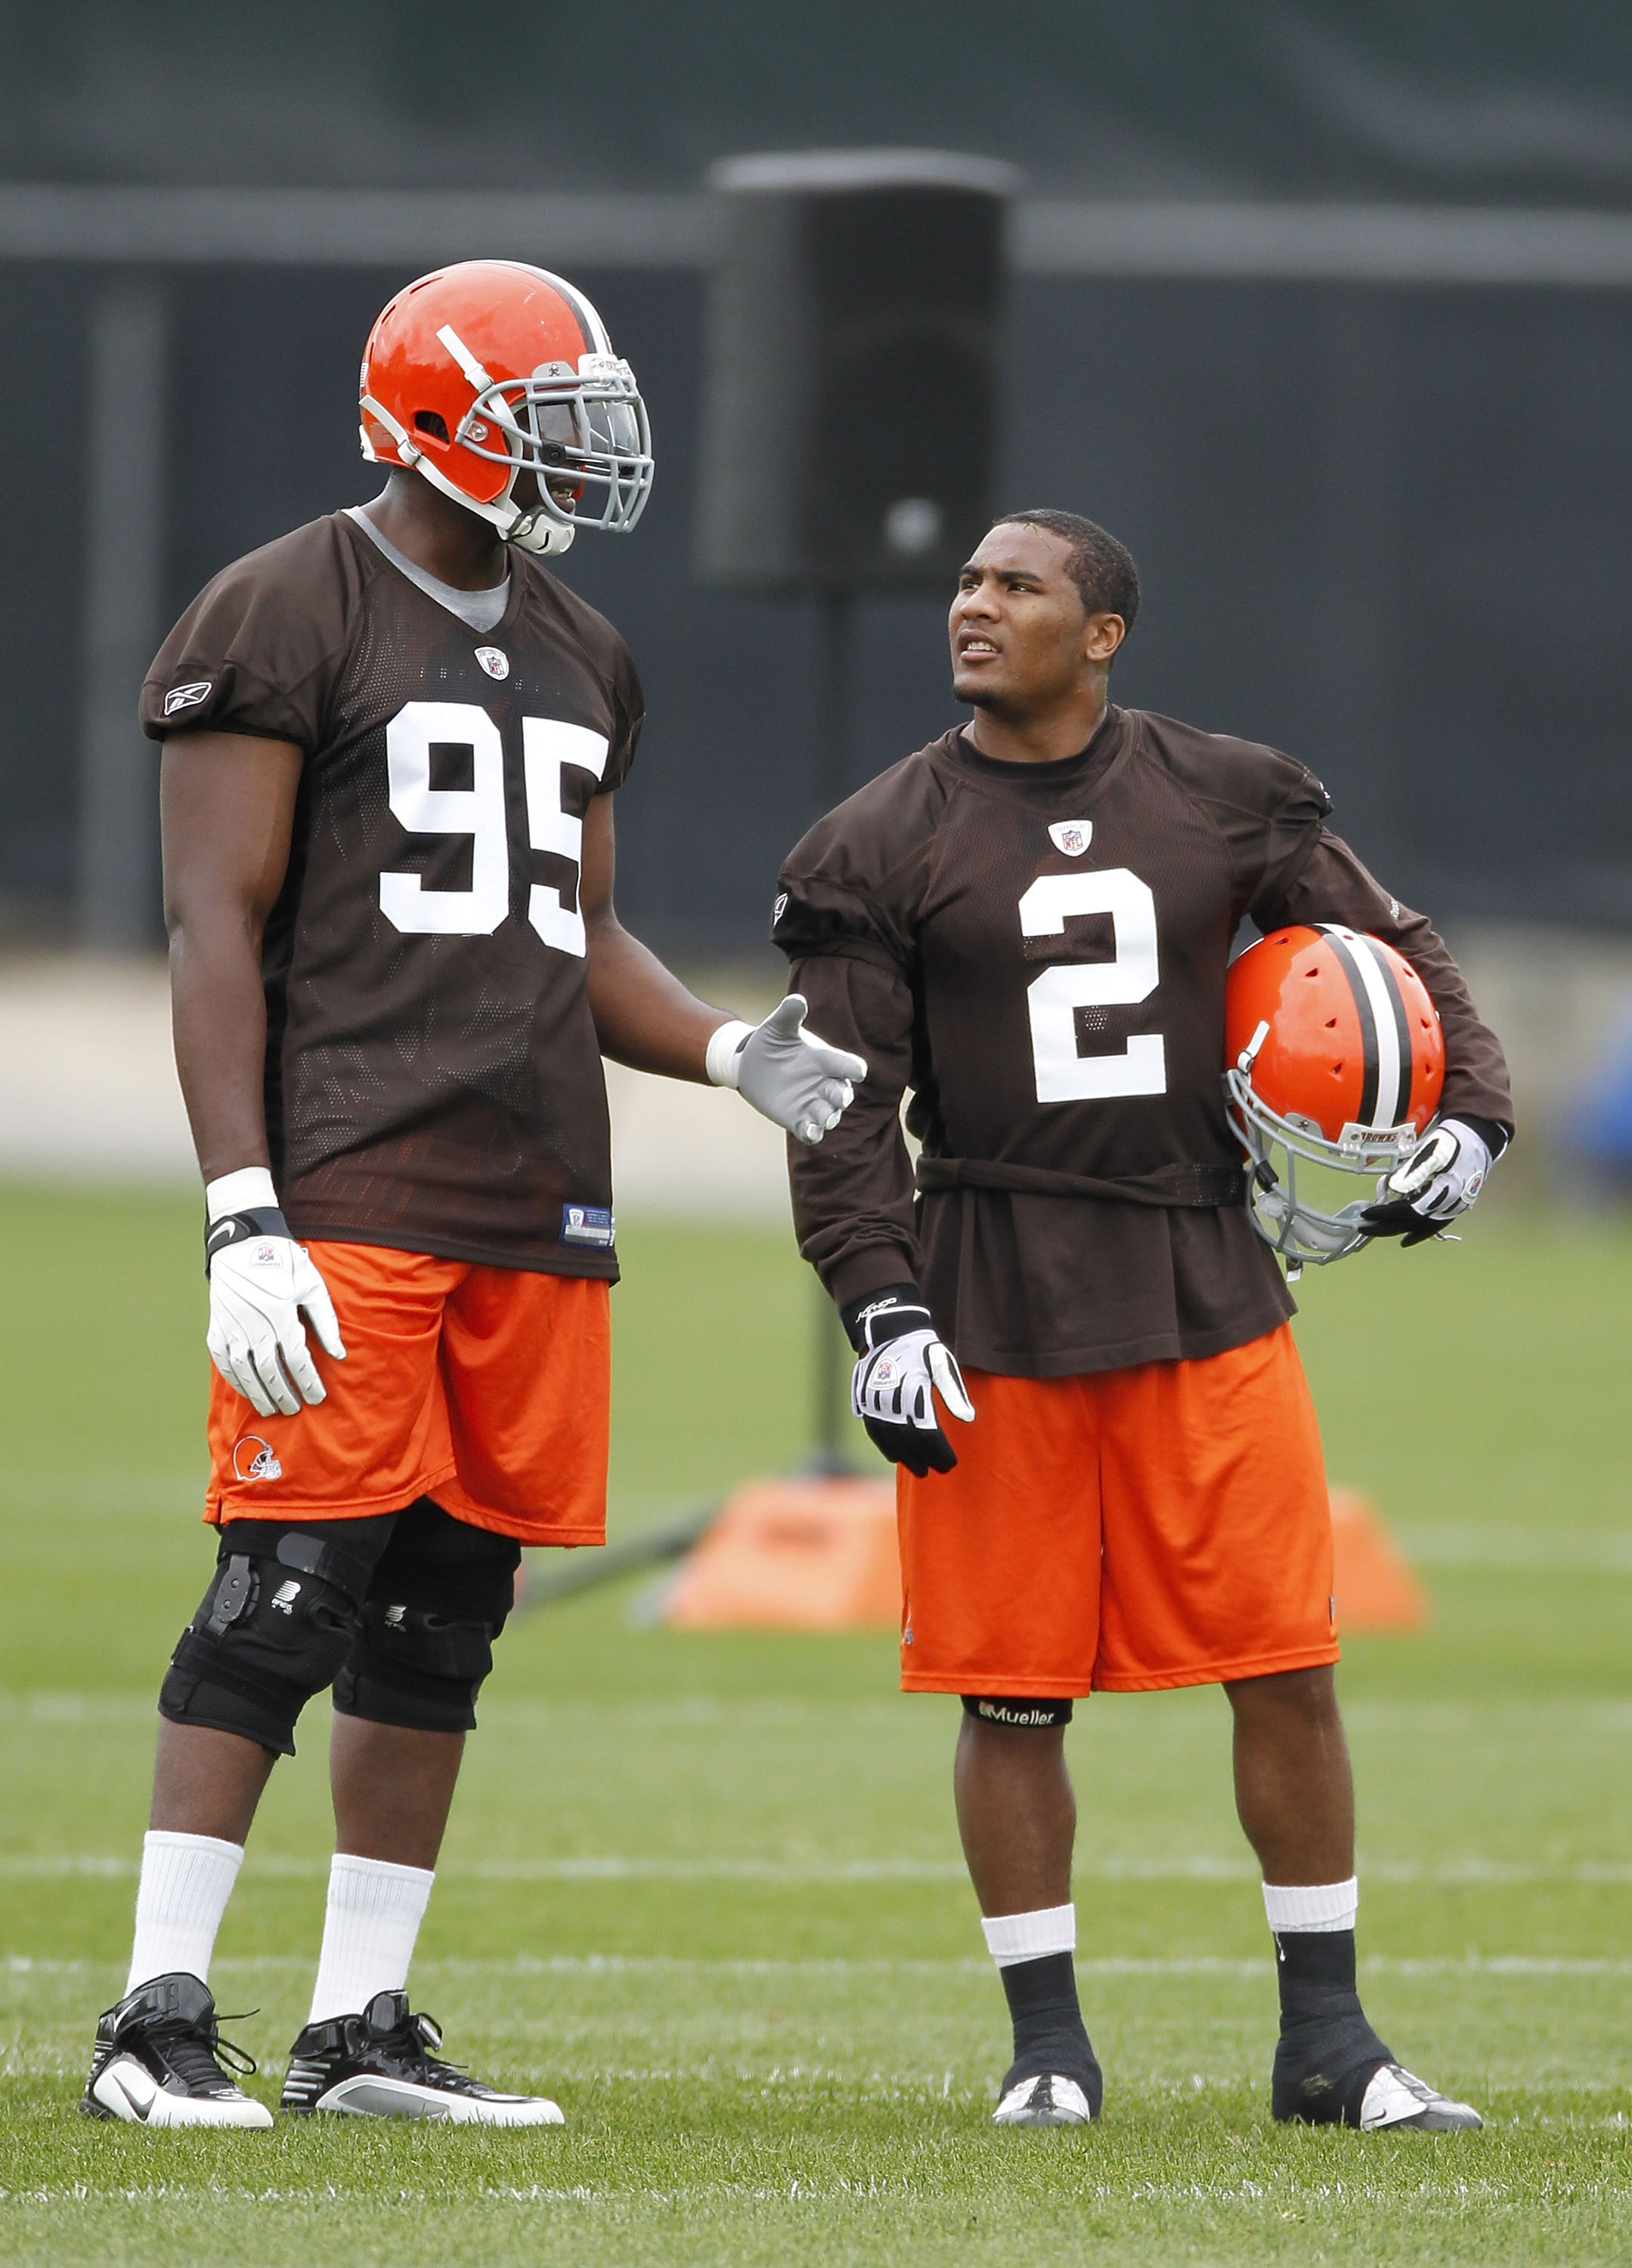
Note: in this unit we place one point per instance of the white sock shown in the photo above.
(373, 1917)
(185, 1882)
(1311, 1905)
(1013, 1937)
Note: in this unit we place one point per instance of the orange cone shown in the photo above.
(821, 1554)
(1374, 1583)
(794, 1555)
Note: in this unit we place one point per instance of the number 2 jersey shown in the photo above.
(433, 1080)
(1039, 953)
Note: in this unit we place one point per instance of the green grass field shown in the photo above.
(706, 1889)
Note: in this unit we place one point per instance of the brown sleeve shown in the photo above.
(629, 708)
(255, 652)
(1331, 886)
(1267, 807)
(853, 1206)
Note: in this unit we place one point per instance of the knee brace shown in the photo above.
(409, 1667)
(273, 1628)
(1005, 1709)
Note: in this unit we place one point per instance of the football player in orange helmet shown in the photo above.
(390, 740)
(1070, 1338)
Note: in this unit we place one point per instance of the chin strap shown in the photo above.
(533, 532)
(542, 537)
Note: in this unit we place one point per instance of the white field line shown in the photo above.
(1568, 1551)
(1470, 1873)
(902, 2192)
(1543, 1719)
(663, 1965)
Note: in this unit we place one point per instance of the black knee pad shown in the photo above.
(409, 1667)
(1006, 1709)
(273, 1628)
(440, 1595)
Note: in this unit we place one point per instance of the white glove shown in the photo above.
(260, 1280)
(901, 1367)
(786, 1072)
(1437, 1182)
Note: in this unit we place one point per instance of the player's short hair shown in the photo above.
(1101, 568)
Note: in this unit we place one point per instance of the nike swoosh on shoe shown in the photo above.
(1046, 2099)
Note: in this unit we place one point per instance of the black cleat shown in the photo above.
(382, 2064)
(158, 2061)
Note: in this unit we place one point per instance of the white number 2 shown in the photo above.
(478, 811)
(1063, 1075)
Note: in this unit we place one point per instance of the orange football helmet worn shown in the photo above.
(484, 371)
(1333, 1054)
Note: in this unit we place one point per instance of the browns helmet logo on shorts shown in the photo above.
(255, 1459)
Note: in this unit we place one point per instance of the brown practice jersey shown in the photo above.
(432, 1077)
(1039, 952)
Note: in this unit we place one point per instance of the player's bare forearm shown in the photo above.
(643, 1014)
(226, 806)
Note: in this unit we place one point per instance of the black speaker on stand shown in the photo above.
(849, 421)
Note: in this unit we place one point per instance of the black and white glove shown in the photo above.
(1437, 1181)
(901, 1367)
(259, 1281)
(786, 1072)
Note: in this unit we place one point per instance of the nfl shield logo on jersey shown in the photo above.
(495, 663)
(1071, 835)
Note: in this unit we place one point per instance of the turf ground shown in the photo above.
(705, 1889)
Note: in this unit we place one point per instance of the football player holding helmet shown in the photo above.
(1070, 1342)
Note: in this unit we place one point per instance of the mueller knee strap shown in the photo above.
(1006, 1709)
(273, 1628)
(409, 1667)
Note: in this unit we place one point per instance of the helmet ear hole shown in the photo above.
(431, 421)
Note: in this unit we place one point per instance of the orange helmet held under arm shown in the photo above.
(481, 372)
(1333, 1054)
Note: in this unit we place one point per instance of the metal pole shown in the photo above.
(835, 623)
(118, 881)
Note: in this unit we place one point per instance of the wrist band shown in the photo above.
(249, 1190)
(236, 1227)
(725, 1047)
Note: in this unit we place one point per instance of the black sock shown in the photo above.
(1049, 2035)
(1327, 2052)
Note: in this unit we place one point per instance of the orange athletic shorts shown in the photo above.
(487, 1388)
(1166, 1524)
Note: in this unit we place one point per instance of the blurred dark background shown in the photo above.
(1326, 311)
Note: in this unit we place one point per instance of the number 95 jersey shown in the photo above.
(1039, 952)
(433, 1080)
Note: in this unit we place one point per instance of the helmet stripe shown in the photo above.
(1342, 942)
(1364, 967)
(589, 323)
(1392, 1032)
(1390, 977)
